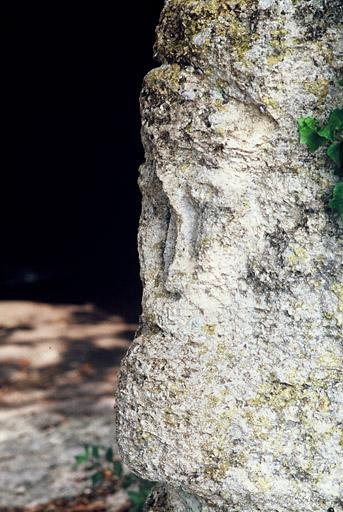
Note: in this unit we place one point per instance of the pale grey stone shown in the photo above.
(231, 395)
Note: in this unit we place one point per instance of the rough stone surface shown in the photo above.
(232, 393)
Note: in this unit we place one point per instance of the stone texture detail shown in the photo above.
(232, 392)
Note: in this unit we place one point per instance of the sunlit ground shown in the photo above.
(58, 370)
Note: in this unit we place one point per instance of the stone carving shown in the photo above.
(231, 395)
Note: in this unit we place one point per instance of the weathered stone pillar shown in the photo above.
(231, 396)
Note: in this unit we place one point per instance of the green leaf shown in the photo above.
(109, 455)
(136, 508)
(136, 497)
(95, 452)
(80, 459)
(129, 480)
(118, 469)
(333, 126)
(308, 131)
(146, 485)
(340, 82)
(335, 152)
(97, 478)
(87, 450)
(336, 202)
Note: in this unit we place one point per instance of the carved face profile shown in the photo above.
(233, 387)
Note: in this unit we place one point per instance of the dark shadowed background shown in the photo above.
(69, 208)
(71, 149)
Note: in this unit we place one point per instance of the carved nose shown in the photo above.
(178, 264)
(180, 242)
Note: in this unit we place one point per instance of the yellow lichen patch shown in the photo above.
(300, 256)
(209, 329)
(262, 482)
(203, 351)
(278, 396)
(164, 79)
(213, 400)
(324, 183)
(277, 36)
(220, 461)
(217, 471)
(258, 420)
(272, 60)
(338, 291)
(261, 424)
(319, 88)
(221, 348)
(158, 246)
(325, 51)
(220, 106)
(178, 390)
(211, 363)
(169, 418)
(188, 28)
(205, 242)
(220, 130)
(185, 167)
(150, 318)
(278, 45)
(330, 360)
(271, 102)
(324, 404)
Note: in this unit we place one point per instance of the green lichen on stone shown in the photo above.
(279, 47)
(164, 80)
(319, 88)
(190, 30)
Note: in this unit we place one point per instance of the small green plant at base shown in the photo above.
(315, 135)
(103, 464)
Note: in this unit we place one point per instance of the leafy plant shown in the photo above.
(315, 135)
(104, 465)
(138, 497)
